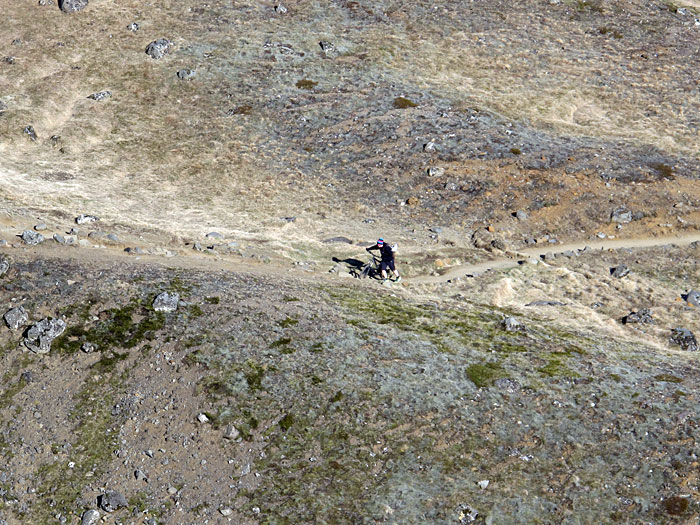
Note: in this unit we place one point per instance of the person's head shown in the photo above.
(380, 242)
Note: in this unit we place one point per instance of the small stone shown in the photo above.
(15, 317)
(413, 201)
(202, 418)
(40, 227)
(429, 147)
(466, 514)
(186, 74)
(166, 302)
(159, 48)
(172, 491)
(4, 265)
(214, 235)
(29, 130)
(436, 171)
(231, 433)
(685, 339)
(621, 215)
(112, 237)
(226, 511)
(521, 215)
(100, 95)
(133, 27)
(507, 384)
(483, 484)
(86, 219)
(197, 246)
(90, 517)
(619, 271)
(72, 6)
(3, 107)
(148, 452)
(140, 476)
(545, 303)
(135, 250)
(511, 324)
(111, 501)
(40, 336)
(27, 376)
(692, 298)
(60, 239)
(279, 8)
(326, 46)
(31, 237)
(88, 348)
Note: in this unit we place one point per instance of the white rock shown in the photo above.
(202, 418)
(226, 511)
(483, 483)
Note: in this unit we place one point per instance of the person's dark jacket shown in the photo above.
(385, 250)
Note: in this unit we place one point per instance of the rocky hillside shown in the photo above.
(186, 192)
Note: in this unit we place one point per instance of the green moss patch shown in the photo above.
(484, 374)
(404, 103)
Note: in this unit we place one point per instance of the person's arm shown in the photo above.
(375, 247)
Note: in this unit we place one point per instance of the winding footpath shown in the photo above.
(474, 269)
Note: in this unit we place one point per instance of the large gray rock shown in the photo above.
(511, 324)
(692, 297)
(621, 215)
(166, 302)
(71, 6)
(86, 219)
(15, 317)
(90, 517)
(619, 271)
(158, 48)
(31, 237)
(40, 336)
(685, 339)
(643, 316)
(4, 265)
(111, 501)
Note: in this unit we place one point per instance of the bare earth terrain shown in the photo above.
(537, 163)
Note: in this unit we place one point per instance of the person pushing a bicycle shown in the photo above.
(387, 259)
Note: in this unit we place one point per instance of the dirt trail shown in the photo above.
(535, 253)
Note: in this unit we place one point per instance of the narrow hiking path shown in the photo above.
(114, 255)
(519, 257)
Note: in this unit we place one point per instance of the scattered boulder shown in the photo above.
(279, 8)
(214, 235)
(202, 418)
(29, 131)
(159, 48)
(60, 239)
(3, 107)
(621, 215)
(521, 215)
(619, 271)
(31, 237)
(436, 171)
(133, 27)
(100, 95)
(40, 227)
(692, 298)
(15, 317)
(685, 339)
(231, 433)
(643, 316)
(511, 324)
(186, 74)
(111, 501)
(4, 265)
(140, 475)
(90, 517)
(85, 219)
(39, 337)
(429, 147)
(88, 348)
(72, 6)
(166, 302)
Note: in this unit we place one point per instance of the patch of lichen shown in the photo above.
(484, 374)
